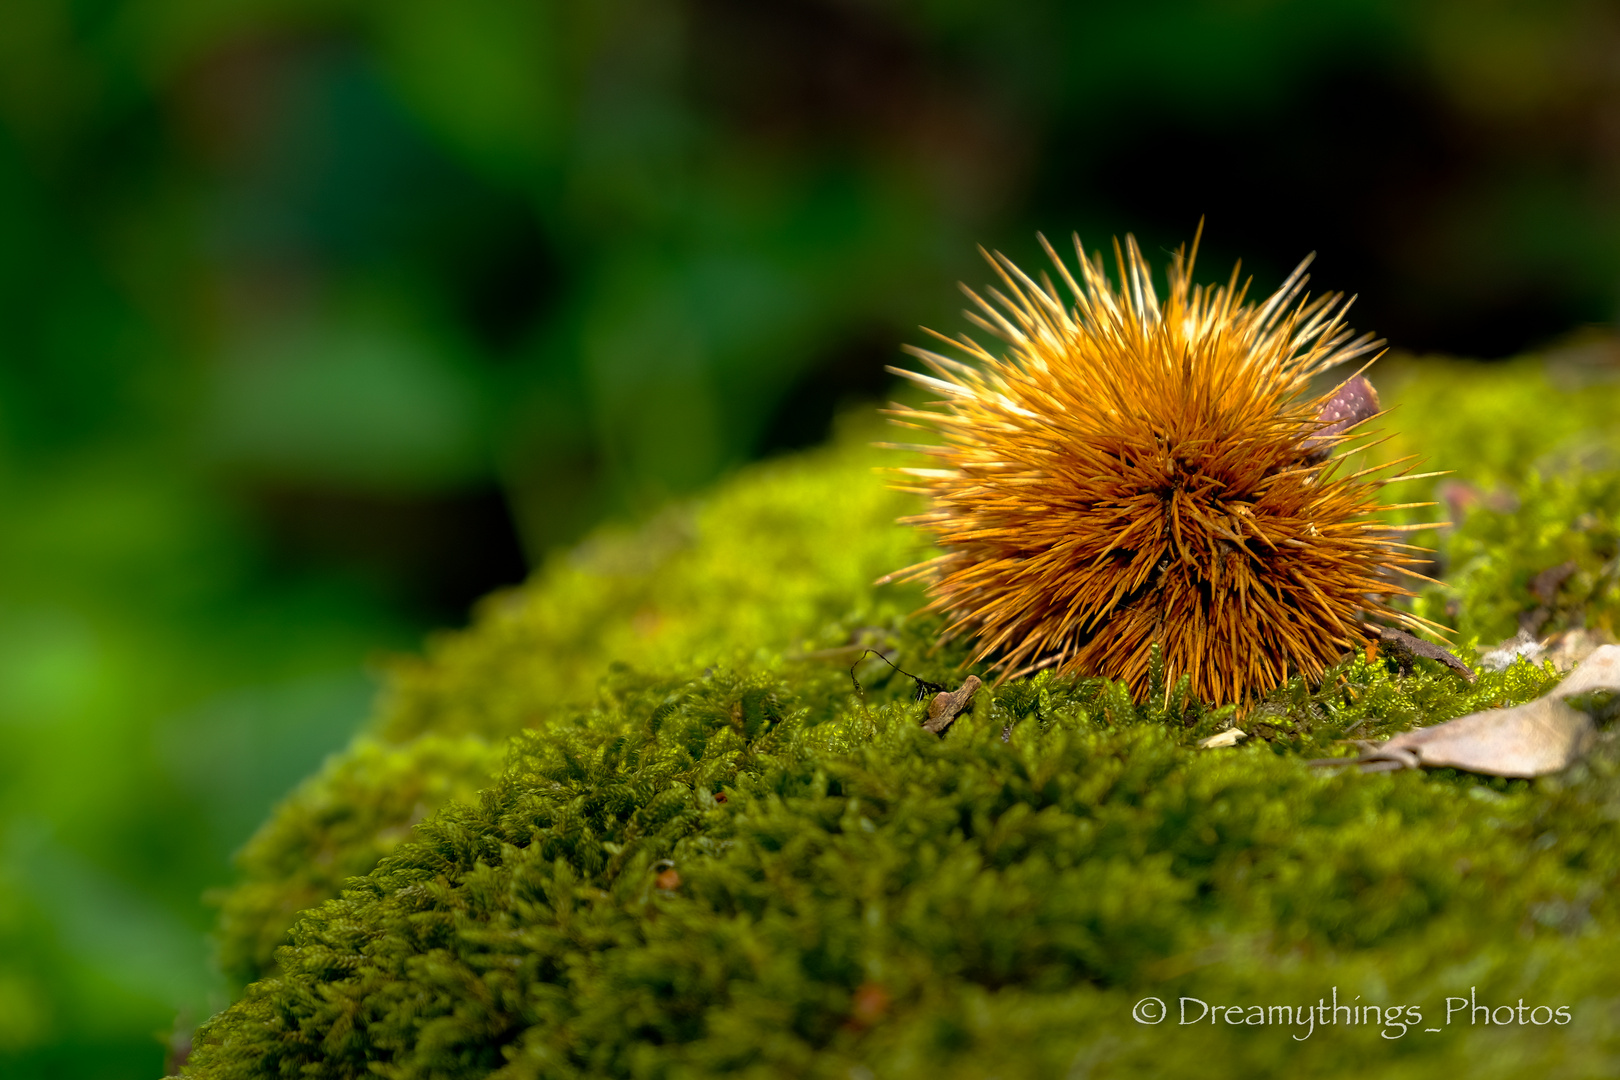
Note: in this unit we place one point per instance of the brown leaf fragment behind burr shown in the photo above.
(948, 705)
(1354, 401)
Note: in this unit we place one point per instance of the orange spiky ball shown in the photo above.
(1135, 471)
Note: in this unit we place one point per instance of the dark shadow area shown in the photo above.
(431, 555)
(857, 372)
(1360, 165)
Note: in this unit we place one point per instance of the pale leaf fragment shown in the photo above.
(1539, 737)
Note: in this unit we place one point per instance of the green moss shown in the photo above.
(869, 897)
(781, 558)
(1534, 444)
(1062, 874)
(1569, 521)
(338, 825)
(698, 584)
(1492, 425)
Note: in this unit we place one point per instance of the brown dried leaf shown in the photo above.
(946, 706)
(1542, 736)
(1399, 642)
(1539, 737)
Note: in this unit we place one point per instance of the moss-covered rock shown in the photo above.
(868, 895)
(338, 825)
(707, 854)
(780, 561)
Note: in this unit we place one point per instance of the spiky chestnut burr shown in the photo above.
(1134, 472)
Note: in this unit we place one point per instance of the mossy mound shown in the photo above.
(780, 560)
(870, 896)
(707, 855)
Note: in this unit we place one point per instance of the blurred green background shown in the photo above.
(321, 318)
